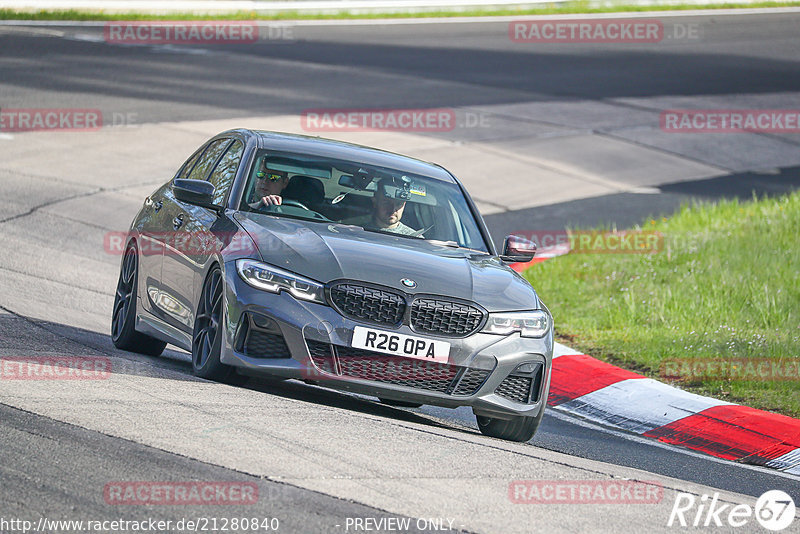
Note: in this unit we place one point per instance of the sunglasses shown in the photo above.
(272, 177)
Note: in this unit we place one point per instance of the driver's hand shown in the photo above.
(271, 200)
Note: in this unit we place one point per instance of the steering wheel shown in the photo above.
(295, 203)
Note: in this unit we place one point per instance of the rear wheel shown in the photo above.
(518, 428)
(208, 331)
(123, 317)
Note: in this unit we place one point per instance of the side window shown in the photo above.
(187, 167)
(225, 171)
(208, 159)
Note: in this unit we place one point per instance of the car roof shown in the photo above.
(330, 148)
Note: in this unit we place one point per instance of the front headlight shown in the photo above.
(269, 278)
(528, 323)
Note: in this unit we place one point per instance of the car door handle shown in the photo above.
(177, 222)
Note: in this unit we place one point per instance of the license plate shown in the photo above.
(401, 345)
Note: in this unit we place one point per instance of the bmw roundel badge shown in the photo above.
(408, 282)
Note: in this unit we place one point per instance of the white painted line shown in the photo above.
(563, 350)
(87, 38)
(554, 251)
(788, 463)
(412, 20)
(639, 404)
(572, 16)
(646, 190)
(261, 5)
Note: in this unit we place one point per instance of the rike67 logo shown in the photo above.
(774, 510)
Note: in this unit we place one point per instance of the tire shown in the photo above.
(123, 315)
(208, 331)
(518, 428)
(400, 404)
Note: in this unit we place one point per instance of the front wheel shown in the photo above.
(518, 428)
(208, 331)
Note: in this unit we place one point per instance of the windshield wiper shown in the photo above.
(453, 244)
(386, 232)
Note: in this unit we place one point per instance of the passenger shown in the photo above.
(387, 210)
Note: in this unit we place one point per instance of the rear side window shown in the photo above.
(203, 167)
(225, 171)
(189, 165)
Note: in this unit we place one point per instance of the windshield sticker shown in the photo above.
(418, 190)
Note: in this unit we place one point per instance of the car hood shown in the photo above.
(330, 251)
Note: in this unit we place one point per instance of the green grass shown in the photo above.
(726, 286)
(548, 9)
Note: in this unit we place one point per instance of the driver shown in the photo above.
(387, 210)
(270, 183)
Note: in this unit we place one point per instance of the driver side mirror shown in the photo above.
(518, 249)
(197, 192)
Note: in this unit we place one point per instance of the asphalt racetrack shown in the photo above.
(547, 135)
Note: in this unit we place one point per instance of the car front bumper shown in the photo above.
(318, 349)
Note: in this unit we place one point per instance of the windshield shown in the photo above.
(376, 199)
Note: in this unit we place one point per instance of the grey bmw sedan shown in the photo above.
(339, 265)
